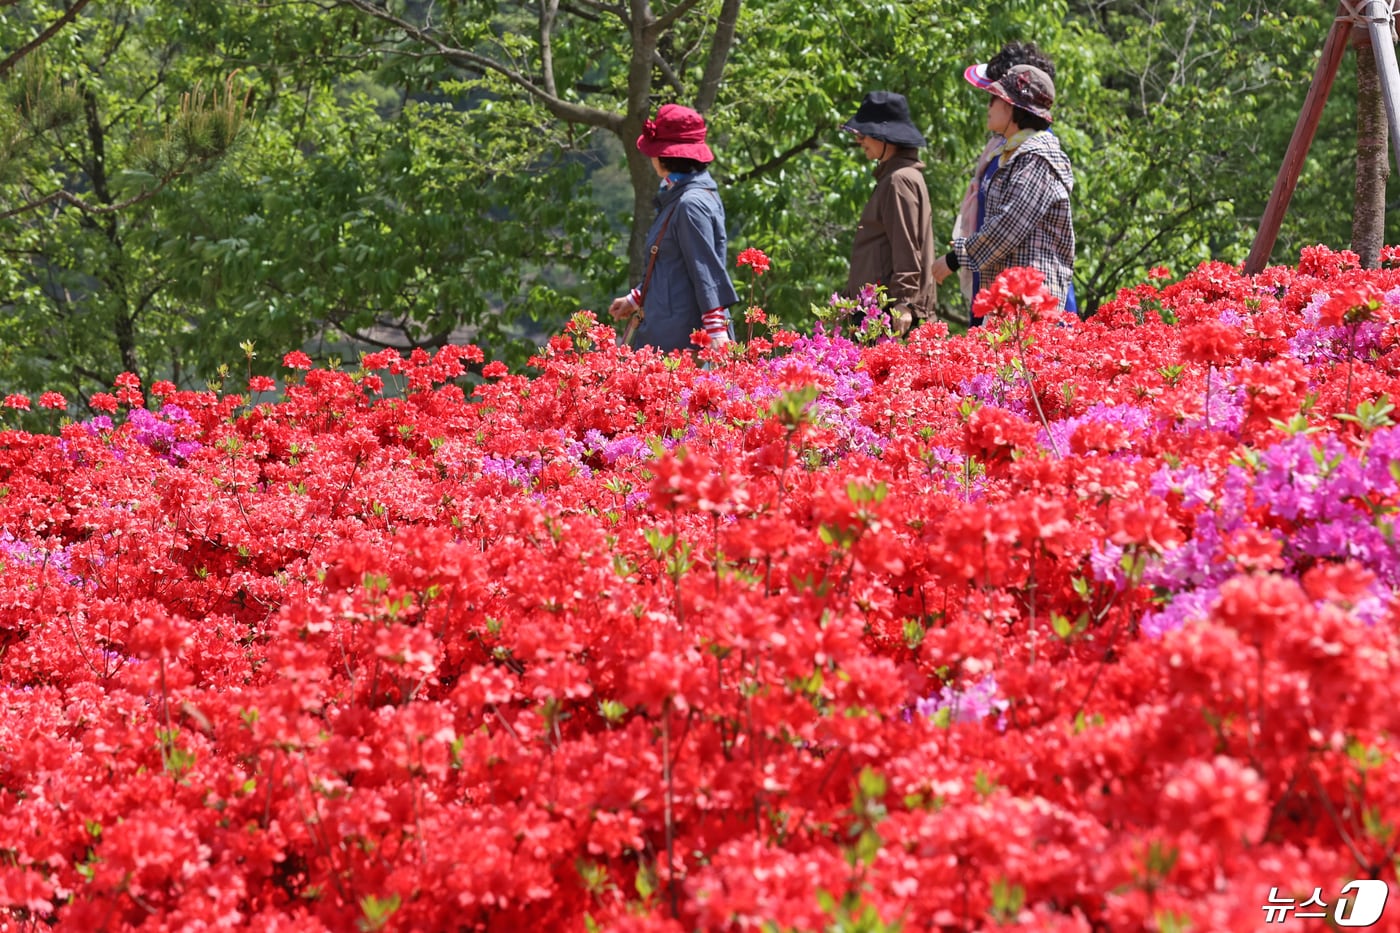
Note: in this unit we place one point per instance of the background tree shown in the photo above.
(97, 119)
(592, 65)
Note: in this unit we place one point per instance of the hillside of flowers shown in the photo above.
(1052, 626)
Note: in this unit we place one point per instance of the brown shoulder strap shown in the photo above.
(651, 263)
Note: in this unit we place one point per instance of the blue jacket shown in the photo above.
(691, 274)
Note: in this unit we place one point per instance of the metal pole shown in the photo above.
(1383, 45)
(1303, 133)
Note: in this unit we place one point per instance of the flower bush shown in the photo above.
(1047, 627)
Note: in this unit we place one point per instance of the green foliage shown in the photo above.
(376, 911)
(358, 183)
(1007, 900)
(1371, 415)
(97, 126)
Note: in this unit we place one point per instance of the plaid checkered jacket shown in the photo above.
(1028, 220)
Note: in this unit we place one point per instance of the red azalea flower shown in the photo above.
(1017, 292)
(20, 402)
(261, 384)
(296, 674)
(296, 360)
(495, 369)
(1324, 262)
(103, 401)
(1260, 607)
(1212, 343)
(993, 434)
(383, 359)
(755, 259)
(1351, 305)
(1255, 550)
(1345, 584)
(53, 400)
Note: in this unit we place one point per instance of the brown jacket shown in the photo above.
(894, 241)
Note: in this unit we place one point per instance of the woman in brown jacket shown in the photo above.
(894, 240)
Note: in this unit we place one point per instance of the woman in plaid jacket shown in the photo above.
(1028, 219)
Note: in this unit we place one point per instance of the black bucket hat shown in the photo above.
(884, 115)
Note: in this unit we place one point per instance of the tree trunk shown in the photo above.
(114, 275)
(1372, 156)
(641, 71)
(644, 183)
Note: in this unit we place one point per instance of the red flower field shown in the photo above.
(1053, 626)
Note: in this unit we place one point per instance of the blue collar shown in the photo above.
(676, 178)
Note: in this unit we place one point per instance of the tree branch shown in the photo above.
(549, 12)
(143, 304)
(720, 44)
(668, 72)
(589, 10)
(639, 67)
(565, 110)
(672, 16)
(68, 16)
(778, 160)
(1171, 225)
(432, 341)
(96, 210)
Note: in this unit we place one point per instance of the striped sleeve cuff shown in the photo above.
(716, 324)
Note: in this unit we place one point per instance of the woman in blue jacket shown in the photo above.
(687, 286)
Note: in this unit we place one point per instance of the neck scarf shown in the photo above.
(675, 178)
(1014, 144)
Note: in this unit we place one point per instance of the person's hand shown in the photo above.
(901, 319)
(622, 308)
(940, 269)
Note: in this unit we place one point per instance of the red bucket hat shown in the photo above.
(677, 133)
